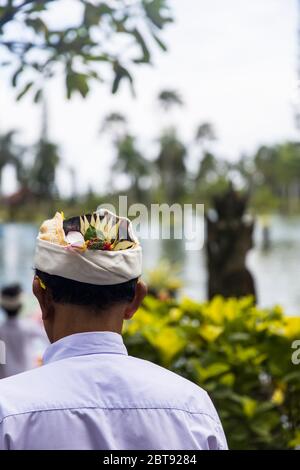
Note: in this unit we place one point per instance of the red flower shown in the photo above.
(107, 246)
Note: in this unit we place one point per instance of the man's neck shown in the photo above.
(71, 319)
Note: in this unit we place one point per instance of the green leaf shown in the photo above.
(93, 13)
(82, 84)
(38, 95)
(96, 58)
(95, 75)
(295, 442)
(24, 91)
(154, 10)
(96, 245)
(90, 233)
(69, 84)
(14, 80)
(39, 6)
(249, 406)
(76, 82)
(37, 24)
(159, 42)
(213, 370)
(146, 53)
(120, 73)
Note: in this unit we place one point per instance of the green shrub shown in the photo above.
(240, 354)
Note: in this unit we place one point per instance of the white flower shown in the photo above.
(75, 239)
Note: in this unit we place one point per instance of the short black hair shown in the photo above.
(11, 291)
(99, 298)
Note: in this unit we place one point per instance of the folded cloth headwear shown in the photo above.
(99, 248)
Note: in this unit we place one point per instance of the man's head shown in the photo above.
(87, 271)
(11, 300)
(72, 307)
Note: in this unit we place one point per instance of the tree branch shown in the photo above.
(12, 11)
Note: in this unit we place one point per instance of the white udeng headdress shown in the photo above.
(98, 248)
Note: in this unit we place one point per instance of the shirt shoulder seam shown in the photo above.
(152, 408)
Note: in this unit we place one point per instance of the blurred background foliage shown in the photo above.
(109, 38)
(240, 354)
(270, 176)
(163, 281)
(106, 43)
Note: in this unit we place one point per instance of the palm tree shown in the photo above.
(171, 165)
(130, 162)
(114, 123)
(170, 161)
(44, 169)
(169, 99)
(208, 166)
(43, 172)
(11, 153)
(205, 133)
(278, 168)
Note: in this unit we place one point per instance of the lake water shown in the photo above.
(276, 272)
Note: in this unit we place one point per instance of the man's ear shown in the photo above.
(140, 293)
(43, 296)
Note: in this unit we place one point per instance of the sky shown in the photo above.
(234, 62)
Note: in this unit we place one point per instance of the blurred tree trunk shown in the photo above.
(229, 238)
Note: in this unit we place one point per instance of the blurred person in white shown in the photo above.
(24, 340)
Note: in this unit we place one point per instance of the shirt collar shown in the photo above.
(82, 344)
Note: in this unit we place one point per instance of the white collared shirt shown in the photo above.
(90, 394)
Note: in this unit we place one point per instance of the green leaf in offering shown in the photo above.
(90, 233)
(97, 245)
